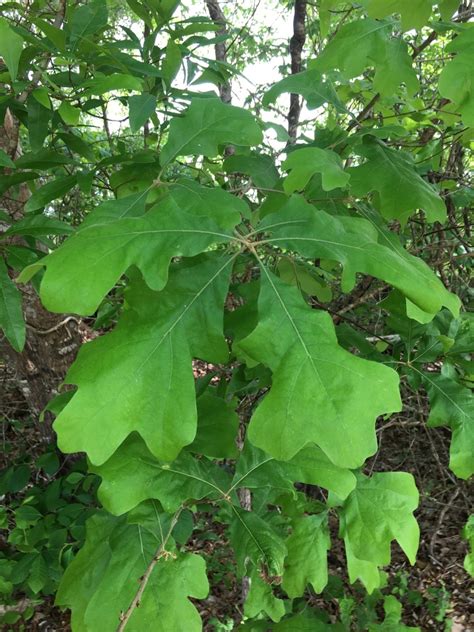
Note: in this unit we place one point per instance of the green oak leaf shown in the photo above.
(11, 314)
(379, 510)
(213, 202)
(304, 163)
(11, 47)
(393, 618)
(355, 46)
(367, 43)
(261, 599)
(414, 13)
(139, 377)
(132, 475)
(320, 391)
(397, 59)
(306, 562)
(206, 124)
(112, 210)
(453, 405)
(311, 85)
(259, 167)
(256, 544)
(86, 267)
(456, 81)
(256, 470)
(361, 246)
(367, 572)
(108, 569)
(392, 174)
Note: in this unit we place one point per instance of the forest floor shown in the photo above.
(436, 592)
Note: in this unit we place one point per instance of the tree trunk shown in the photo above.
(296, 47)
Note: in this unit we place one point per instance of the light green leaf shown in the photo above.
(368, 572)
(453, 405)
(304, 163)
(256, 544)
(392, 174)
(141, 107)
(50, 191)
(456, 81)
(395, 68)
(108, 569)
(132, 475)
(113, 210)
(367, 43)
(306, 562)
(69, 113)
(320, 392)
(310, 85)
(261, 599)
(361, 246)
(11, 314)
(87, 19)
(414, 13)
(172, 61)
(108, 250)
(256, 470)
(224, 208)
(206, 124)
(355, 46)
(158, 335)
(380, 510)
(11, 46)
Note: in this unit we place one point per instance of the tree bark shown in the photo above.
(296, 47)
(215, 12)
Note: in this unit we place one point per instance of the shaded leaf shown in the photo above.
(11, 314)
(206, 124)
(306, 562)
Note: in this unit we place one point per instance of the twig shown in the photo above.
(159, 553)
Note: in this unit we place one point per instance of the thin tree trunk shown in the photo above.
(215, 12)
(296, 47)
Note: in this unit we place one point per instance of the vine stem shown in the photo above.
(159, 553)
